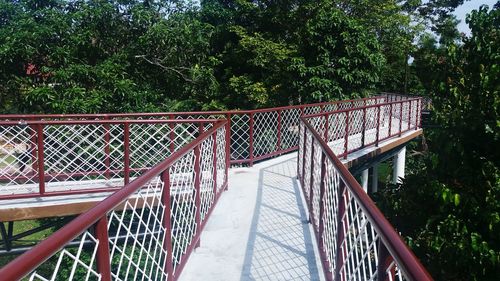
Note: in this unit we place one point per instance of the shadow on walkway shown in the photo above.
(280, 245)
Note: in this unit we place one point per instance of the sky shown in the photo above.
(468, 6)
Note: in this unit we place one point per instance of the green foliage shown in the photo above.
(449, 210)
(121, 56)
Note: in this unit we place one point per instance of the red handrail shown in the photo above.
(27, 262)
(404, 257)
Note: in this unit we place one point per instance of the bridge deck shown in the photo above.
(259, 230)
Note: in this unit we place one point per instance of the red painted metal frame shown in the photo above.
(172, 115)
(392, 241)
(393, 104)
(27, 262)
(42, 176)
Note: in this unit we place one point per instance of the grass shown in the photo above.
(20, 227)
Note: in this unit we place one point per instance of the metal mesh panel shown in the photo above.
(240, 136)
(265, 133)
(336, 133)
(355, 129)
(71, 264)
(384, 121)
(221, 158)
(18, 156)
(289, 128)
(137, 235)
(140, 240)
(348, 240)
(74, 153)
(207, 180)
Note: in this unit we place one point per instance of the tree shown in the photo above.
(450, 210)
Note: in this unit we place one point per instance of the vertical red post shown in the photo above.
(201, 129)
(197, 188)
(327, 126)
(278, 145)
(341, 228)
(346, 146)
(214, 159)
(167, 224)
(250, 148)
(126, 153)
(384, 261)
(321, 227)
(228, 149)
(172, 134)
(363, 127)
(420, 106)
(409, 115)
(311, 183)
(390, 121)
(304, 156)
(322, 188)
(400, 117)
(41, 164)
(377, 136)
(103, 258)
(107, 149)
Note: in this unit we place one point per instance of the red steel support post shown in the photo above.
(107, 149)
(346, 146)
(214, 152)
(363, 127)
(304, 156)
(250, 148)
(420, 117)
(197, 188)
(41, 160)
(341, 229)
(172, 134)
(322, 188)
(126, 153)
(103, 258)
(327, 125)
(167, 243)
(311, 183)
(377, 135)
(400, 117)
(384, 261)
(409, 115)
(278, 145)
(228, 149)
(321, 227)
(390, 121)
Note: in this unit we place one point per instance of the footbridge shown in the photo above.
(262, 194)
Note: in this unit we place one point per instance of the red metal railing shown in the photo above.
(355, 240)
(255, 134)
(146, 230)
(60, 157)
(352, 129)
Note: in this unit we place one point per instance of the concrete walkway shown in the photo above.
(258, 230)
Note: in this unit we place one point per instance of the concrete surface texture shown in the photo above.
(259, 229)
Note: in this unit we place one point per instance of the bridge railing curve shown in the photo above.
(144, 231)
(62, 154)
(355, 240)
